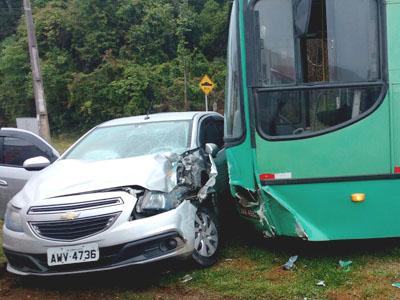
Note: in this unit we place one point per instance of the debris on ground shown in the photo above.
(345, 264)
(321, 283)
(228, 259)
(396, 285)
(290, 265)
(186, 278)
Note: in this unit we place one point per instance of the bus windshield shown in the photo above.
(305, 51)
(303, 41)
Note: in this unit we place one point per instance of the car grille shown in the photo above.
(75, 206)
(74, 230)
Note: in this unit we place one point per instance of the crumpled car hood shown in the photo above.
(68, 177)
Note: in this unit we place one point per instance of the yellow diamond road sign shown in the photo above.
(207, 85)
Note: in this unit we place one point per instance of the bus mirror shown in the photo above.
(212, 149)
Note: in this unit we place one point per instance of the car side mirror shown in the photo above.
(36, 163)
(212, 149)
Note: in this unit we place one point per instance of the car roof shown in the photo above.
(175, 116)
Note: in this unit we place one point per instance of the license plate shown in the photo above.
(73, 255)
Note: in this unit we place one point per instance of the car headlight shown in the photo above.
(156, 202)
(13, 220)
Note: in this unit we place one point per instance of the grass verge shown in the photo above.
(249, 268)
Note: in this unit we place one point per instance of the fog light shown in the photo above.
(358, 198)
(169, 245)
(172, 244)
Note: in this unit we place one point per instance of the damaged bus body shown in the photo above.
(312, 119)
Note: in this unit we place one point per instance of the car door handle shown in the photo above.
(3, 183)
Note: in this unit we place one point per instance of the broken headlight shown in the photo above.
(155, 202)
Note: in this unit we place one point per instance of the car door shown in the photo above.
(16, 146)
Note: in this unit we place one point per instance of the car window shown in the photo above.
(15, 151)
(212, 131)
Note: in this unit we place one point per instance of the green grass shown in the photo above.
(249, 268)
(63, 142)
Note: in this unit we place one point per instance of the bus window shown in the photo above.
(273, 17)
(297, 112)
(305, 43)
(315, 39)
(353, 25)
(233, 111)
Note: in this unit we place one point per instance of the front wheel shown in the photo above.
(206, 244)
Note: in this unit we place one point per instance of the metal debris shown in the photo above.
(186, 278)
(290, 265)
(207, 188)
(321, 283)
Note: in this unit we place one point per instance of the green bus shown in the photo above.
(312, 121)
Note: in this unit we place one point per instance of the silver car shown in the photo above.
(16, 146)
(131, 191)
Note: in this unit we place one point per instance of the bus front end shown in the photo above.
(312, 120)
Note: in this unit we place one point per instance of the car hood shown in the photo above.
(69, 177)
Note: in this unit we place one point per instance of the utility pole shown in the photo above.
(41, 109)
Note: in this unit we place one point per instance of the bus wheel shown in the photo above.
(206, 244)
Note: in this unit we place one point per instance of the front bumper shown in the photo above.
(134, 253)
(125, 243)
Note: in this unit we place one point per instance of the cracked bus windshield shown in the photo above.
(133, 140)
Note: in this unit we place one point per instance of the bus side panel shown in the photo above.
(395, 121)
(359, 149)
(322, 212)
(240, 167)
(393, 25)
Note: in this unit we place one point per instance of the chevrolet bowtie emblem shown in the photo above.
(70, 216)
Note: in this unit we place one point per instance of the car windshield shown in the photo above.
(124, 141)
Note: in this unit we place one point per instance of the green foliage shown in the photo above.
(103, 59)
(10, 12)
(15, 81)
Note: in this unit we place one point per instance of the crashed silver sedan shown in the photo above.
(131, 191)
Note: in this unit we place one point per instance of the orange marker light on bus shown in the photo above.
(358, 198)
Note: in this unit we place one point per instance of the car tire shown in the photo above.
(207, 237)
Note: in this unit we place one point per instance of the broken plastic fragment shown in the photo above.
(396, 285)
(204, 191)
(345, 264)
(186, 278)
(321, 283)
(290, 263)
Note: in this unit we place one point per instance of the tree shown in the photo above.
(103, 59)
